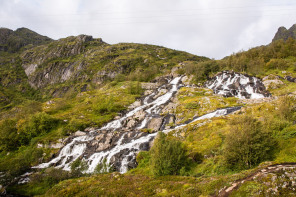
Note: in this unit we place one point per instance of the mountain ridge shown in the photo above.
(285, 34)
(13, 41)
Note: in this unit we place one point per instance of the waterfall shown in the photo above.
(116, 149)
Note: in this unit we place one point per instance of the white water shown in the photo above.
(97, 158)
(69, 153)
(217, 113)
(124, 150)
(246, 84)
(116, 124)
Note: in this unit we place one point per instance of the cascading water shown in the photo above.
(116, 149)
(123, 150)
(238, 85)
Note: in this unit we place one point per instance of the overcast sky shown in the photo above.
(212, 28)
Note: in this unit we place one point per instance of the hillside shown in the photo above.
(81, 117)
(13, 41)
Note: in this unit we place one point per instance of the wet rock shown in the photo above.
(131, 123)
(145, 146)
(290, 79)
(228, 83)
(155, 123)
(162, 80)
(168, 121)
(140, 115)
(169, 108)
(160, 93)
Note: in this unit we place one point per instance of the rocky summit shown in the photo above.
(284, 33)
(81, 117)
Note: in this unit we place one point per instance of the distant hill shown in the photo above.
(13, 41)
(284, 33)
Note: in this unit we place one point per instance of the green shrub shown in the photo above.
(192, 106)
(247, 144)
(287, 108)
(73, 125)
(106, 105)
(36, 125)
(168, 156)
(9, 139)
(143, 159)
(135, 88)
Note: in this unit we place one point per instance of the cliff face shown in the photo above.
(284, 33)
(84, 61)
(39, 65)
(56, 62)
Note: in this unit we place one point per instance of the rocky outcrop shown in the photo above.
(44, 69)
(228, 83)
(290, 79)
(284, 33)
(279, 179)
(272, 82)
(55, 145)
(155, 124)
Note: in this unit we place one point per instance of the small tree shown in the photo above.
(287, 108)
(247, 144)
(8, 135)
(168, 156)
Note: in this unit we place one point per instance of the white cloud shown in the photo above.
(212, 28)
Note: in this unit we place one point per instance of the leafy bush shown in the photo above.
(287, 108)
(135, 88)
(168, 156)
(247, 144)
(9, 139)
(107, 104)
(192, 105)
(36, 125)
(73, 125)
